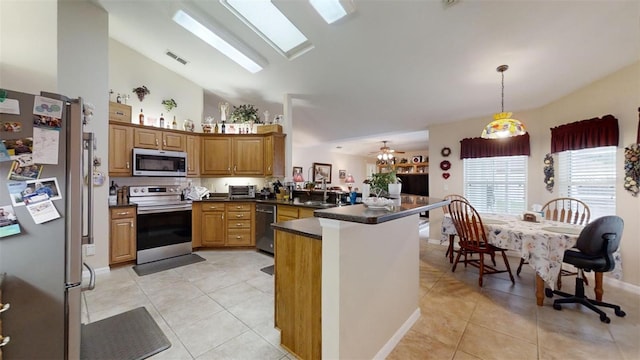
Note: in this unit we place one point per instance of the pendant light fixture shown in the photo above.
(503, 125)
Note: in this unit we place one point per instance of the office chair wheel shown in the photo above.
(557, 306)
(605, 319)
(548, 292)
(620, 313)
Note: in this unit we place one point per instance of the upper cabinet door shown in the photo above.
(173, 142)
(146, 138)
(248, 156)
(193, 155)
(274, 155)
(216, 156)
(120, 145)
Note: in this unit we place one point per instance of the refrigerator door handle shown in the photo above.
(92, 278)
(89, 145)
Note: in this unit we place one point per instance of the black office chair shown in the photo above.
(593, 252)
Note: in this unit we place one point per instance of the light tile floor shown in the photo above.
(223, 309)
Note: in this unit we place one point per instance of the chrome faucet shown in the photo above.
(324, 190)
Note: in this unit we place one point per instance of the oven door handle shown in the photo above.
(163, 209)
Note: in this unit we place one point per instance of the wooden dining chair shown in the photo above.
(473, 239)
(566, 210)
(450, 250)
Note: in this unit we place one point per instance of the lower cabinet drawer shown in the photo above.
(239, 237)
(238, 224)
(238, 215)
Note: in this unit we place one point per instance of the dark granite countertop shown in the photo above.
(308, 227)
(410, 205)
(122, 205)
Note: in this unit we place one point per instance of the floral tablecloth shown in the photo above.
(541, 244)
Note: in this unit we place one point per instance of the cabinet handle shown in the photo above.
(238, 237)
(228, 169)
(4, 307)
(131, 224)
(164, 142)
(127, 164)
(5, 340)
(123, 213)
(234, 168)
(269, 168)
(222, 216)
(239, 216)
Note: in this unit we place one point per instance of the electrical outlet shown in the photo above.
(90, 250)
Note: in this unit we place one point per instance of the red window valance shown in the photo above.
(479, 147)
(585, 134)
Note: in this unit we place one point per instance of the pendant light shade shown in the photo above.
(503, 124)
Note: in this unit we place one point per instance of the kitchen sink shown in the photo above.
(319, 204)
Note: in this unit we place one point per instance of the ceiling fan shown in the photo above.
(387, 153)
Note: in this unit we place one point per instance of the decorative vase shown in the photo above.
(366, 190)
(395, 189)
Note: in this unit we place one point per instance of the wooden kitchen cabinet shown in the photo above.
(286, 213)
(193, 155)
(157, 139)
(216, 156)
(220, 224)
(274, 155)
(120, 150)
(240, 155)
(240, 228)
(212, 224)
(122, 240)
(248, 156)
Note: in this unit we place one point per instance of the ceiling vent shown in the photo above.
(176, 58)
(448, 3)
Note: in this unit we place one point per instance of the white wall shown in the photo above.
(128, 69)
(82, 62)
(305, 157)
(617, 94)
(23, 66)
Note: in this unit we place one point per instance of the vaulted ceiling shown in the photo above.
(391, 68)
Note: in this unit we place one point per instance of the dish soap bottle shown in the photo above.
(141, 118)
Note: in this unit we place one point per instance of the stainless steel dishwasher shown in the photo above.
(265, 216)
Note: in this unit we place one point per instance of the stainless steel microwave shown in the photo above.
(147, 162)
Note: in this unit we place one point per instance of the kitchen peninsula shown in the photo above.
(347, 280)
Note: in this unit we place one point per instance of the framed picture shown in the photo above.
(321, 171)
(342, 174)
(297, 170)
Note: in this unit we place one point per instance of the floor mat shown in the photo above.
(268, 269)
(128, 336)
(166, 264)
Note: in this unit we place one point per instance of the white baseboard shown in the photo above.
(399, 334)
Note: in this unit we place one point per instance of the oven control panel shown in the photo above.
(153, 190)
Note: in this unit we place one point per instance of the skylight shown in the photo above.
(332, 10)
(207, 35)
(270, 24)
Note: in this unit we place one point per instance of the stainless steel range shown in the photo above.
(163, 222)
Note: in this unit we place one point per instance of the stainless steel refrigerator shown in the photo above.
(43, 263)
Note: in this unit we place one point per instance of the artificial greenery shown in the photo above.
(245, 113)
(379, 182)
(141, 91)
(169, 104)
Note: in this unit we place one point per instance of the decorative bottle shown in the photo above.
(118, 99)
(141, 117)
(215, 128)
(161, 120)
(223, 127)
(112, 194)
(174, 124)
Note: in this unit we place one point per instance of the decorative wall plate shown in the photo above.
(445, 175)
(445, 165)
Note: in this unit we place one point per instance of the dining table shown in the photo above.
(542, 244)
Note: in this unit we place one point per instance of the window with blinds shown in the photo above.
(496, 184)
(589, 175)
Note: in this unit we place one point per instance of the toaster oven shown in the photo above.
(242, 191)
